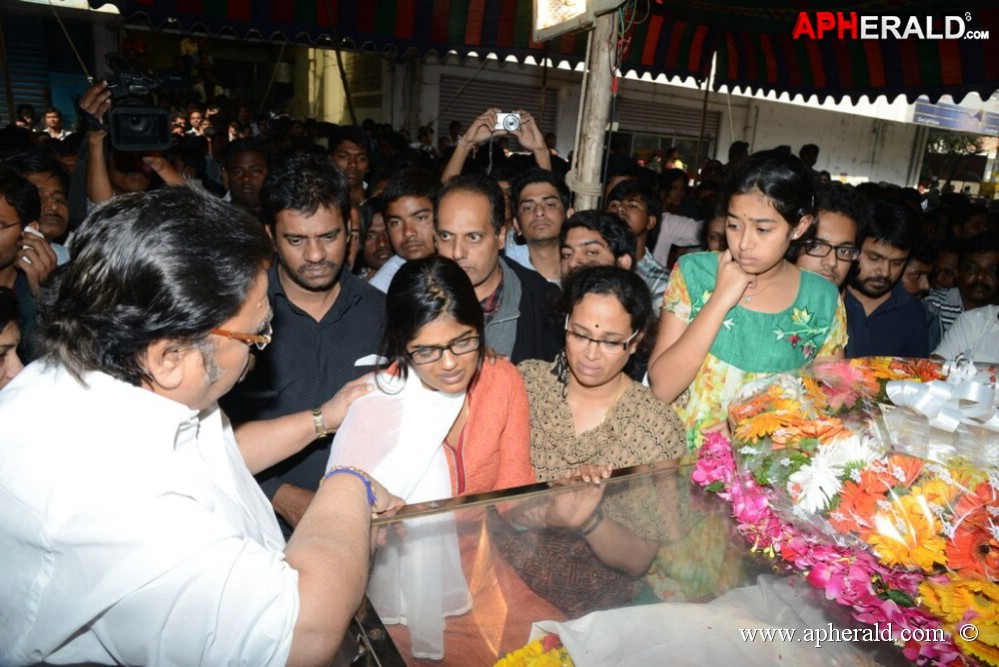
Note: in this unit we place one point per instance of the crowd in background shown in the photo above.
(527, 340)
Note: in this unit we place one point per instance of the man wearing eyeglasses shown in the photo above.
(833, 249)
(135, 533)
(327, 323)
(517, 302)
(882, 318)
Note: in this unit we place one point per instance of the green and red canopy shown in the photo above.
(754, 45)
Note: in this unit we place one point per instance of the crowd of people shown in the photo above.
(205, 319)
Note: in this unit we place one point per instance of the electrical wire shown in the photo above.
(69, 39)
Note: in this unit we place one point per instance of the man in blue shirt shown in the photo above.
(882, 318)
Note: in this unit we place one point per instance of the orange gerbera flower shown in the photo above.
(973, 551)
(877, 367)
(856, 509)
(750, 408)
(937, 491)
(951, 601)
(925, 370)
(824, 429)
(973, 506)
(900, 470)
(815, 394)
(759, 426)
(908, 534)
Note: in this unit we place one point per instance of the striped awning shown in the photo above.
(853, 68)
(754, 45)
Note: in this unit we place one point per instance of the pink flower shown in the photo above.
(852, 577)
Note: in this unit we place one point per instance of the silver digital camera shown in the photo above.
(508, 121)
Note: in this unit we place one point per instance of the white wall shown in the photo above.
(852, 148)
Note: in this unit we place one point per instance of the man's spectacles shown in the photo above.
(259, 340)
(605, 346)
(431, 353)
(846, 253)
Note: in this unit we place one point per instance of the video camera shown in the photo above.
(133, 126)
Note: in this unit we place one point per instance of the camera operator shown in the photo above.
(484, 127)
(112, 172)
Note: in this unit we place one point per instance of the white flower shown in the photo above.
(948, 529)
(853, 448)
(817, 483)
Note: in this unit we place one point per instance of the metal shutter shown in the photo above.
(664, 119)
(478, 95)
(29, 66)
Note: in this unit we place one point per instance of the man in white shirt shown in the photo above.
(53, 124)
(408, 199)
(137, 535)
(976, 331)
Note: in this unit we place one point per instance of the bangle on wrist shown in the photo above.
(319, 423)
(592, 523)
(360, 474)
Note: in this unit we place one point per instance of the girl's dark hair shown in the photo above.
(784, 180)
(629, 289)
(422, 291)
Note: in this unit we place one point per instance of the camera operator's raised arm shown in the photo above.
(95, 104)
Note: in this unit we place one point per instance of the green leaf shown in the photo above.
(715, 487)
(901, 598)
(808, 444)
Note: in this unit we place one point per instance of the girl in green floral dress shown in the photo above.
(728, 318)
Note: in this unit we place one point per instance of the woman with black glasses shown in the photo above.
(440, 423)
(473, 415)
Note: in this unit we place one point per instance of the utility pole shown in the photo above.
(588, 157)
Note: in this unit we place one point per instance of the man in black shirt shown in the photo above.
(327, 323)
(882, 318)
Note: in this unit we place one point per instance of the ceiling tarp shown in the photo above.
(754, 43)
(500, 27)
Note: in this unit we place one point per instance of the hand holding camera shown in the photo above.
(518, 123)
(92, 106)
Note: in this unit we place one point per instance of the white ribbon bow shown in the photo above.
(961, 399)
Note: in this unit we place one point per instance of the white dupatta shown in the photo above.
(396, 434)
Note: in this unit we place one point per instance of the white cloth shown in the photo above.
(675, 230)
(976, 330)
(396, 434)
(689, 634)
(383, 277)
(132, 532)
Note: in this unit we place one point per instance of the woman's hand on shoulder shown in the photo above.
(732, 281)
